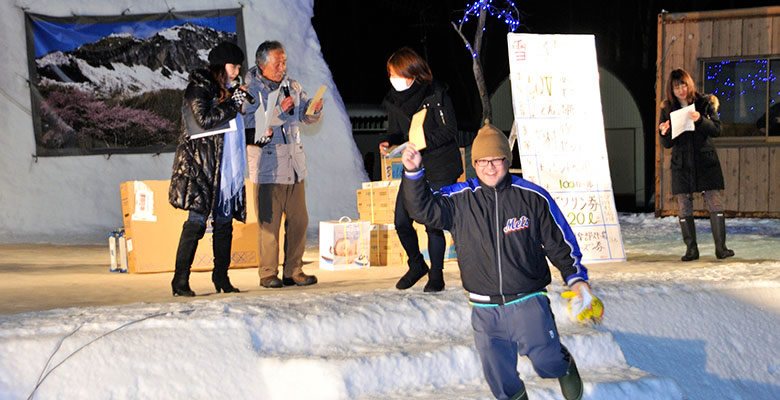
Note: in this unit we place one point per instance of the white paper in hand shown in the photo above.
(263, 115)
(681, 120)
(396, 152)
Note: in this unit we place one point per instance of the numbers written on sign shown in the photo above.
(582, 218)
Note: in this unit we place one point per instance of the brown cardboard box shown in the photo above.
(422, 241)
(376, 201)
(392, 168)
(386, 248)
(153, 227)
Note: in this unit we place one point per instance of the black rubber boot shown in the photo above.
(521, 395)
(688, 228)
(718, 223)
(435, 280)
(417, 269)
(571, 383)
(188, 243)
(223, 240)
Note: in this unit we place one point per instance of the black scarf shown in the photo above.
(409, 100)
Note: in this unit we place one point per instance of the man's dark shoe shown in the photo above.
(300, 279)
(271, 282)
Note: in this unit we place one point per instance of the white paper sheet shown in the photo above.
(681, 120)
(229, 128)
(396, 152)
(263, 115)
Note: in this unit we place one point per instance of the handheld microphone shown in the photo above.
(237, 86)
(286, 90)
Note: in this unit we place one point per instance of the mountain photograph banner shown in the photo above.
(114, 84)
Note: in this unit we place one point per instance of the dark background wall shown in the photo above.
(357, 37)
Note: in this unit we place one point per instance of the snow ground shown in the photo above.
(705, 331)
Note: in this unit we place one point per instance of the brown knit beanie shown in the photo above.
(490, 142)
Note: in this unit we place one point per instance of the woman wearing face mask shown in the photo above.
(208, 172)
(414, 89)
(695, 165)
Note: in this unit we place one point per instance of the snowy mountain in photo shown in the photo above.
(122, 63)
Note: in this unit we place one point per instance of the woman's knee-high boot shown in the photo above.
(688, 228)
(188, 243)
(718, 223)
(223, 240)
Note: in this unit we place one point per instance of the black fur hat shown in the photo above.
(226, 53)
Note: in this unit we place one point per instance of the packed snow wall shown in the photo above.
(75, 199)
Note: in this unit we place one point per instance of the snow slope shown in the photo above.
(708, 330)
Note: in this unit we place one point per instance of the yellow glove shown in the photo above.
(583, 304)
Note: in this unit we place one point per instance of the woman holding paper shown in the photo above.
(208, 168)
(413, 89)
(694, 164)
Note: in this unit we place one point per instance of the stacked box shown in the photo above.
(152, 229)
(392, 168)
(376, 201)
(386, 248)
(422, 241)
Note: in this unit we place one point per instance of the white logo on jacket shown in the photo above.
(516, 224)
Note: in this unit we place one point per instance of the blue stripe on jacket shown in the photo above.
(560, 220)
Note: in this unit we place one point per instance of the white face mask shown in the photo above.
(399, 84)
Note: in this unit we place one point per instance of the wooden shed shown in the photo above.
(732, 54)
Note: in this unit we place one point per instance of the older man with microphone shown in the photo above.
(277, 163)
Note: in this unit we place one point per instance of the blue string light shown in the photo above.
(508, 14)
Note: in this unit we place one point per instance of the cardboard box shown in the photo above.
(345, 244)
(392, 168)
(386, 248)
(153, 227)
(376, 203)
(422, 240)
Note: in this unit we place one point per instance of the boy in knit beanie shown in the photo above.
(505, 228)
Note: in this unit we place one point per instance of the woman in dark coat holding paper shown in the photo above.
(208, 171)
(695, 165)
(414, 89)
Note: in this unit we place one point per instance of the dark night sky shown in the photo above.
(357, 37)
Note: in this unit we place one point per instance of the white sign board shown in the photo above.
(560, 133)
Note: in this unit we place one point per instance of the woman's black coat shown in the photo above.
(441, 157)
(695, 165)
(196, 165)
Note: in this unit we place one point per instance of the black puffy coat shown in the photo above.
(441, 157)
(695, 165)
(196, 165)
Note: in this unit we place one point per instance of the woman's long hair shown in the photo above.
(407, 63)
(677, 77)
(218, 72)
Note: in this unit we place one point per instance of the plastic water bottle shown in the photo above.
(122, 252)
(112, 251)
